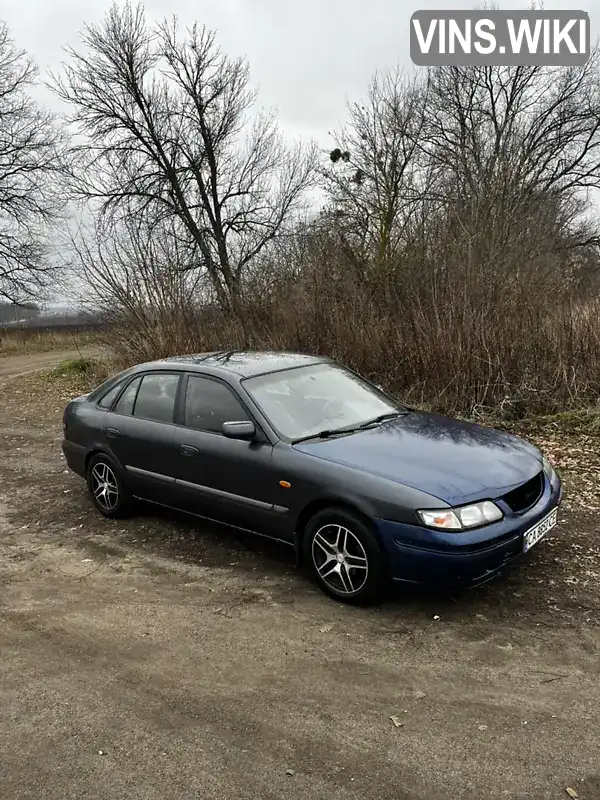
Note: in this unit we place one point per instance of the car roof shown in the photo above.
(242, 362)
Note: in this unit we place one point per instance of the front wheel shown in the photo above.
(344, 557)
(106, 488)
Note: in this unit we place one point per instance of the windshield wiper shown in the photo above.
(325, 434)
(383, 418)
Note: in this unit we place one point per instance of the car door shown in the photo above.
(139, 431)
(232, 480)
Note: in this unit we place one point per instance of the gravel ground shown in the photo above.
(160, 657)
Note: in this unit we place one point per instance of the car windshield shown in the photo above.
(303, 402)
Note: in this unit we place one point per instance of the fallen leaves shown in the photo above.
(577, 458)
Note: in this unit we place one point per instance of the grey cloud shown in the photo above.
(307, 57)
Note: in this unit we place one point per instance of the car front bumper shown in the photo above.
(436, 558)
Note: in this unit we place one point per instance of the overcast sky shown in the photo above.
(307, 57)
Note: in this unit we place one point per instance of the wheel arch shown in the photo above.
(99, 451)
(319, 504)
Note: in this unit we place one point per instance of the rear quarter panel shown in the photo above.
(83, 433)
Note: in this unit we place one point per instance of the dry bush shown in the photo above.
(441, 327)
(502, 346)
(21, 341)
(456, 261)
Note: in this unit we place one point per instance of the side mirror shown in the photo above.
(239, 430)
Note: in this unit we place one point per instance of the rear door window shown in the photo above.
(156, 397)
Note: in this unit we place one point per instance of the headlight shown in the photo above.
(457, 519)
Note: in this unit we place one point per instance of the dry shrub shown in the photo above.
(456, 257)
(21, 341)
(470, 344)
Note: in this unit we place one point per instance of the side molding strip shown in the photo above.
(234, 498)
(144, 473)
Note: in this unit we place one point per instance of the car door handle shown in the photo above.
(187, 450)
(112, 433)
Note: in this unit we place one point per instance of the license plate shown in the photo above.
(533, 535)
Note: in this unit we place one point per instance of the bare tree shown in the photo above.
(376, 180)
(495, 163)
(515, 151)
(165, 124)
(134, 273)
(29, 202)
(539, 126)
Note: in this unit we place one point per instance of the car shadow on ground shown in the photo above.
(175, 535)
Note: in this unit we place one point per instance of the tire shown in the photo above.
(106, 488)
(344, 557)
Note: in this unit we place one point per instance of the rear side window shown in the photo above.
(127, 399)
(209, 404)
(110, 396)
(156, 397)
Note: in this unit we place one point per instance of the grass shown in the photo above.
(14, 342)
(86, 373)
(73, 376)
(73, 367)
(581, 421)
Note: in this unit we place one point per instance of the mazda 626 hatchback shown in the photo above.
(303, 450)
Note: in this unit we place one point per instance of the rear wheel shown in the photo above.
(106, 487)
(344, 557)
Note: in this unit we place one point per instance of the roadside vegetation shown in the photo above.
(68, 379)
(76, 368)
(454, 255)
(23, 341)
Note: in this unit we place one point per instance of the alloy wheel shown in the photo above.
(340, 559)
(104, 486)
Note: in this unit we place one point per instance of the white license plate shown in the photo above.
(533, 535)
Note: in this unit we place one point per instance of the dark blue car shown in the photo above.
(303, 450)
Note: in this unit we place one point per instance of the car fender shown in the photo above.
(99, 447)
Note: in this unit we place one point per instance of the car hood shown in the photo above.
(457, 461)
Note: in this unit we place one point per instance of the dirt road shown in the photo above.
(13, 366)
(162, 658)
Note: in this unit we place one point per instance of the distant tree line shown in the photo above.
(30, 315)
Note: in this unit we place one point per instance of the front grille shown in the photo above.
(526, 495)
